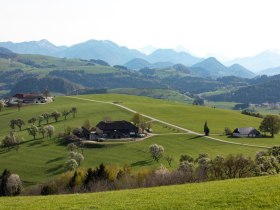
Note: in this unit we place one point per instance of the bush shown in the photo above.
(14, 185)
(49, 189)
(228, 132)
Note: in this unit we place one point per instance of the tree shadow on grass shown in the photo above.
(141, 163)
(2, 151)
(4, 114)
(58, 169)
(54, 160)
(35, 142)
(195, 137)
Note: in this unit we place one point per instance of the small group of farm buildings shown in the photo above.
(246, 132)
(114, 130)
(29, 98)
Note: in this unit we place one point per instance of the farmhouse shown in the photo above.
(116, 129)
(28, 98)
(246, 132)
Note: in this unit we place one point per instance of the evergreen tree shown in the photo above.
(3, 184)
(206, 129)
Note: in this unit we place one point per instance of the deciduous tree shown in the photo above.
(74, 111)
(56, 115)
(33, 130)
(271, 124)
(65, 113)
(49, 130)
(156, 151)
(46, 116)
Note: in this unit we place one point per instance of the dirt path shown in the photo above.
(169, 124)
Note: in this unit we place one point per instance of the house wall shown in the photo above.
(99, 131)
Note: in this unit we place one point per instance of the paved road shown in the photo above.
(169, 124)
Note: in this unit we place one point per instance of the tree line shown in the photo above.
(190, 170)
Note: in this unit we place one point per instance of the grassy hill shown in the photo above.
(165, 94)
(41, 159)
(250, 193)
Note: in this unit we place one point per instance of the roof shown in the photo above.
(27, 95)
(116, 125)
(246, 131)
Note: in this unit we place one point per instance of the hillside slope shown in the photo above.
(249, 193)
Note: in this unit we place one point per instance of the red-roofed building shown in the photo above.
(29, 98)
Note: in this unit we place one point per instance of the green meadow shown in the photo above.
(250, 193)
(42, 159)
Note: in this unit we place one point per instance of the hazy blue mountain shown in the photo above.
(240, 71)
(163, 55)
(264, 60)
(212, 67)
(91, 49)
(147, 49)
(160, 65)
(137, 63)
(6, 53)
(42, 47)
(104, 50)
(270, 71)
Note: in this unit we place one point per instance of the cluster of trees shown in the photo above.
(139, 121)
(12, 140)
(74, 157)
(10, 184)
(199, 169)
(250, 113)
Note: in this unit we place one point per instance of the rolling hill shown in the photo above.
(261, 89)
(137, 64)
(250, 193)
(44, 158)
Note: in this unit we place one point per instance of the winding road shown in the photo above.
(169, 124)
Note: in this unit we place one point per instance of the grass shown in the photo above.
(249, 193)
(42, 159)
(165, 94)
(188, 116)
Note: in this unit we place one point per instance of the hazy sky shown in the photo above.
(228, 28)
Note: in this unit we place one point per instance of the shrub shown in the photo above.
(49, 189)
(14, 185)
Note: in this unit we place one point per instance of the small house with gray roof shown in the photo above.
(246, 132)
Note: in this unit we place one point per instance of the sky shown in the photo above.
(223, 28)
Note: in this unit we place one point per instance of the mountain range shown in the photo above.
(67, 75)
(119, 55)
(260, 62)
